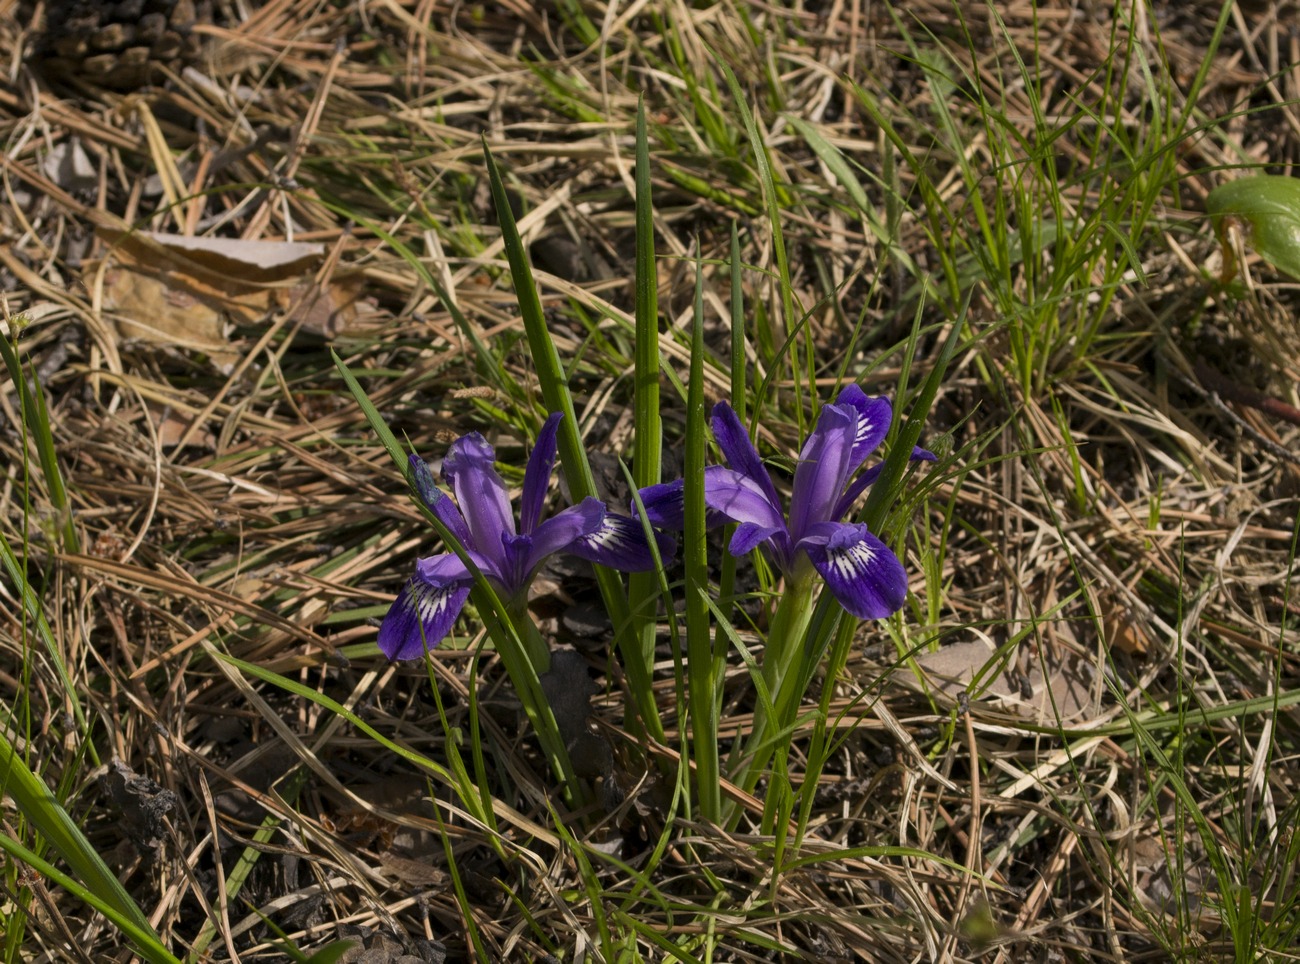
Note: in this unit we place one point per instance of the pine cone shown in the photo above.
(120, 45)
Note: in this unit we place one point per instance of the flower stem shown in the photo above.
(535, 645)
(526, 656)
(784, 641)
(699, 641)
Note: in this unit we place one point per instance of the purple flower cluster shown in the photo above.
(859, 569)
(427, 607)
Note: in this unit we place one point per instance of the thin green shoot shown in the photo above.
(704, 687)
(573, 455)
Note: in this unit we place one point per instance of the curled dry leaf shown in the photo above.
(153, 307)
(178, 290)
(1065, 694)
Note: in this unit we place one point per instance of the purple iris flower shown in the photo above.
(428, 605)
(861, 571)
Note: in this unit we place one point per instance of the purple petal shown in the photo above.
(665, 504)
(437, 500)
(561, 531)
(823, 470)
(861, 571)
(620, 543)
(445, 569)
(420, 618)
(734, 442)
(860, 485)
(748, 535)
(537, 476)
(874, 418)
(740, 498)
(864, 480)
(482, 495)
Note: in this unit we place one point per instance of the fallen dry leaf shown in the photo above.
(416, 873)
(172, 427)
(1065, 694)
(179, 290)
(154, 310)
(1123, 632)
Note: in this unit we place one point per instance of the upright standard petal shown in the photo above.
(861, 571)
(740, 498)
(437, 500)
(875, 415)
(736, 446)
(420, 618)
(620, 543)
(823, 470)
(537, 476)
(481, 494)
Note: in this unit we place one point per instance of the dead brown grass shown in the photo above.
(228, 494)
